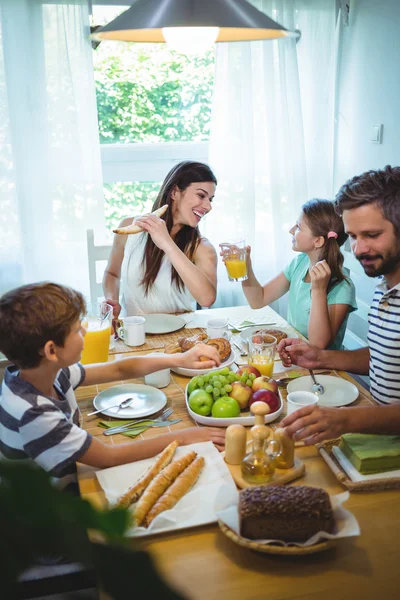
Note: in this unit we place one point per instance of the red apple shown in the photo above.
(242, 393)
(266, 383)
(267, 396)
(248, 370)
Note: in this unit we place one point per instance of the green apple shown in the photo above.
(225, 407)
(201, 402)
(192, 385)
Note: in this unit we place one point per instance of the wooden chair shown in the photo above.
(95, 255)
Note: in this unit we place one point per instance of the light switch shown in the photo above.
(376, 134)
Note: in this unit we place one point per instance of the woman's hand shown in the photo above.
(191, 358)
(320, 275)
(202, 434)
(315, 423)
(157, 229)
(298, 352)
(116, 307)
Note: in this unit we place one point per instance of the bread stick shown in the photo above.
(159, 485)
(134, 228)
(133, 494)
(177, 490)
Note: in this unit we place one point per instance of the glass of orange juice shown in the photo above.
(97, 323)
(234, 257)
(262, 353)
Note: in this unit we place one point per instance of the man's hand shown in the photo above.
(191, 358)
(320, 275)
(298, 352)
(202, 434)
(315, 423)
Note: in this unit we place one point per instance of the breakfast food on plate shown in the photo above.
(134, 228)
(371, 453)
(265, 335)
(134, 492)
(158, 486)
(291, 514)
(223, 347)
(177, 490)
(186, 343)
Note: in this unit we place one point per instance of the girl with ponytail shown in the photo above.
(321, 293)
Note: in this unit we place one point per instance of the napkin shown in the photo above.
(371, 453)
(130, 432)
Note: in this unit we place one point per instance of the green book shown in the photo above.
(371, 453)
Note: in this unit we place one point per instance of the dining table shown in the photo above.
(203, 563)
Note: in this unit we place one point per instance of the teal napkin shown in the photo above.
(134, 432)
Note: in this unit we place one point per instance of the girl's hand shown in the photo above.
(157, 229)
(116, 307)
(248, 257)
(320, 275)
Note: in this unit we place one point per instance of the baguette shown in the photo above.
(159, 485)
(133, 494)
(177, 490)
(134, 228)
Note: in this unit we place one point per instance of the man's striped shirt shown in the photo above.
(43, 430)
(384, 344)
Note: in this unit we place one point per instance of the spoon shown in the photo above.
(242, 350)
(317, 388)
(123, 404)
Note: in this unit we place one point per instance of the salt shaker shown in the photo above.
(235, 444)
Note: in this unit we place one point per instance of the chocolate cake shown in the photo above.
(291, 514)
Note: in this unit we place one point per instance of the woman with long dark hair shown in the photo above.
(170, 266)
(321, 293)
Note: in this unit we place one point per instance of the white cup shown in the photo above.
(132, 331)
(296, 400)
(218, 328)
(158, 379)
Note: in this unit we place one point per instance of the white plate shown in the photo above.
(248, 332)
(245, 418)
(338, 392)
(159, 323)
(148, 400)
(198, 507)
(193, 372)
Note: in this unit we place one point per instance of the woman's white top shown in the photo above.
(163, 296)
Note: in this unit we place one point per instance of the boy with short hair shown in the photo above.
(42, 334)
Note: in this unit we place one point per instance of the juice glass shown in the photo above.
(97, 323)
(262, 353)
(234, 256)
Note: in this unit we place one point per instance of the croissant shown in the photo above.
(159, 485)
(134, 228)
(189, 342)
(177, 490)
(222, 345)
(133, 494)
(172, 348)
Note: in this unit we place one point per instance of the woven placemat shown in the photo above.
(274, 548)
(375, 485)
(155, 341)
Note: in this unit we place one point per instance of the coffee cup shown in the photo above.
(158, 379)
(218, 328)
(132, 331)
(296, 400)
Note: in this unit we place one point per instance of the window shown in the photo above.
(154, 109)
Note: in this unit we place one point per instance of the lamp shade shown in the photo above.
(237, 20)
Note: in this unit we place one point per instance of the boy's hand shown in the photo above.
(202, 434)
(191, 358)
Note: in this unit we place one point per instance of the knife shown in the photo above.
(130, 426)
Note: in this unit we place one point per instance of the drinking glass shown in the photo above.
(97, 323)
(262, 353)
(234, 256)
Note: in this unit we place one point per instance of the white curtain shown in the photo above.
(50, 170)
(271, 142)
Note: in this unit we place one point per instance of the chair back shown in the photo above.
(95, 255)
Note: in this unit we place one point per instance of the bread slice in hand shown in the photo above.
(134, 228)
(177, 490)
(158, 486)
(135, 492)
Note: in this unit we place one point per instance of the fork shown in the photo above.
(132, 427)
(163, 417)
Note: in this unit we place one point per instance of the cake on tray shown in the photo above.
(371, 453)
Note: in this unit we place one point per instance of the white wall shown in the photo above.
(369, 94)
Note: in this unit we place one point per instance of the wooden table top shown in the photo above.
(203, 563)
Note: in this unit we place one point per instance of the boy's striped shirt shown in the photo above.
(42, 430)
(384, 344)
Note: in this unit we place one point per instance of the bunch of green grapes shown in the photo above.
(247, 378)
(218, 382)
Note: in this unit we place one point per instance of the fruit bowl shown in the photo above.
(245, 418)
